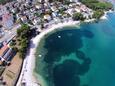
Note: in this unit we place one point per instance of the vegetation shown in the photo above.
(66, 2)
(97, 14)
(20, 43)
(78, 16)
(13, 43)
(62, 10)
(37, 14)
(23, 36)
(97, 5)
(5, 1)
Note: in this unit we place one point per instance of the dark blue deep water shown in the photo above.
(79, 57)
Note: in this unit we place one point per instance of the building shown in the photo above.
(54, 14)
(1, 31)
(3, 10)
(77, 9)
(36, 21)
(47, 17)
(6, 53)
(7, 21)
(3, 50)
(53, 8)
(24, 19)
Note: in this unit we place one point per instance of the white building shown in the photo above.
(47, 17)
(24, 19)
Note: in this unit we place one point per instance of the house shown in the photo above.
(24, 19)
(18, 16)
(36, 21)
(3, 50)
(70, 11)
(47, 17)
(85, 15)
(77, 9)
(54, 14)
(53, 8)
(6, 53)
(83, 8)
(38, 6)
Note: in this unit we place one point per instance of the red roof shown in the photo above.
(3, 49)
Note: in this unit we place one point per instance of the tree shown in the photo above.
(23, 36)
(12, 43)
(15, 49)
(78, 16)
(24, 28)
(97, 14)
(97, 5)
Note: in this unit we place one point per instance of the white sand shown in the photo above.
(29, 62)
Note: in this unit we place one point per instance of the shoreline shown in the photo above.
(28, 75)
(29, 61)
(104, 17)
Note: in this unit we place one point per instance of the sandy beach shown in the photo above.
(27, 73)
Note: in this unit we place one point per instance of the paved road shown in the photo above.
(10, 34)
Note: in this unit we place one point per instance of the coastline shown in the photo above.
(104, 17)
(27, 74)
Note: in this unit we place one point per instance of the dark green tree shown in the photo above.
(78, 16)
(97, 14)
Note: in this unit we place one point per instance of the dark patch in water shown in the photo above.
(85, 66)
(67, 73)
(65, 45)
(80, 55)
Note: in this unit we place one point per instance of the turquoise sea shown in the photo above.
(79, 57)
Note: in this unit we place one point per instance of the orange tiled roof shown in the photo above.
(3, 49)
